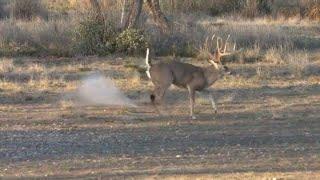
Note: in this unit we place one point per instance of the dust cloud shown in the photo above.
(98, 90)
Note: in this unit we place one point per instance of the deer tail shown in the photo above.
(148, 63)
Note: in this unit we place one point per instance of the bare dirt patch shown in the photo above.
(268, 127)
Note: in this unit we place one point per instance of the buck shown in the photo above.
(188, 76)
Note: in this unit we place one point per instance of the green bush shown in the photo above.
(131, 41)
(94, 36)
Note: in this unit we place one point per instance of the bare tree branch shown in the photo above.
(135, 11)
(158, 17)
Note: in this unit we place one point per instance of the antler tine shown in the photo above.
(213, 36)
(206, 43)
(218, 43)
(234, 46)
(225, 44)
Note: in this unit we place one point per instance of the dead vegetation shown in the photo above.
(268, 121)
(267, 116)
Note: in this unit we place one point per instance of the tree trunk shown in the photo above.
(135, 11)
(173, 6)
(158, 17)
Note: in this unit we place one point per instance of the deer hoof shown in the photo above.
(216, 111)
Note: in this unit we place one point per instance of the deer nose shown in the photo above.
(227, 70)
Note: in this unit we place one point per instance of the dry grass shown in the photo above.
(258, 32)
(248, 107)
(33, 76)
(28, 9)
(66, 104)
(54, 37)
(9, 86)
(247, 175)
(255, 36)
(36, 37)
(297, 62)
(6, 65)
(274, 56)
(267, 119)
(251, 55)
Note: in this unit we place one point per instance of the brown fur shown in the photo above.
(183, 75)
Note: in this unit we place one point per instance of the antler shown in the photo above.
(221, 49)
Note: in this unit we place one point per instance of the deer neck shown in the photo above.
(211, 73)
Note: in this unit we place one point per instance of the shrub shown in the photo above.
(254, 8)
(36, 37)
(213, 7)
(94, 36)
(313, 11)
(55, 37)
(131, 41)
(28, 9)
(176, 44)
(14, 40)
(225, 7)
(264, 7)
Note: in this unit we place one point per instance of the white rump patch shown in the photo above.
(148, 74)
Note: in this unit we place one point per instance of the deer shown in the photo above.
(188, 76)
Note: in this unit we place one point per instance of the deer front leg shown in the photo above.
(191, 98)
(210, 96)
(214, 106)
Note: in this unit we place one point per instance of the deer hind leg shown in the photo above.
(191, 98)
(157, 98)
(158, 95)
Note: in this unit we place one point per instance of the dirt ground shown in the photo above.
(265, 130)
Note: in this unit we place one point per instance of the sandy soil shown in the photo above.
(259, 132)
